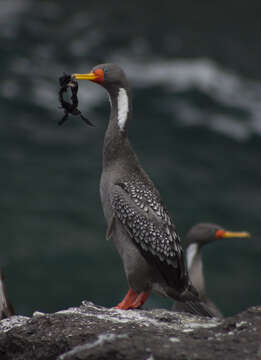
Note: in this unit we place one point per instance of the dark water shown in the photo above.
(195, 72)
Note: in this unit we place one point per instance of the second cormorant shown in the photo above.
(198, 236)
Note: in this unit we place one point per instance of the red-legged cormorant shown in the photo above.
(198, 236)
(137, 219)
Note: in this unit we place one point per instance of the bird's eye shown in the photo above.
(99, 72)
(99, 75)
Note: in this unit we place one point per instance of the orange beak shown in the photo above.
(90, 76)
(222, 234)
(96, 76)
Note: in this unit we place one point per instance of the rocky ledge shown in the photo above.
(94, 332)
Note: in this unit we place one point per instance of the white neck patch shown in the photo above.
(123, 108)
(191, 252)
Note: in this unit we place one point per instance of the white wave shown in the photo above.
(229, 126)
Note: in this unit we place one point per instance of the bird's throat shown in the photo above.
(116, 142)
(194, 264)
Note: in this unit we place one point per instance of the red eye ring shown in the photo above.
(100, 75)
(220, 234)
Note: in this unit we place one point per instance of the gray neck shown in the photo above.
(116, 142)
(195, 267)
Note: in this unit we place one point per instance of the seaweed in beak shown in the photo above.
(68, 82)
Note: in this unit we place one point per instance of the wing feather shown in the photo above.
(140, 210)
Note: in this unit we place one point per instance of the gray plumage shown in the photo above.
(6, 308)
(138, 222)
(198, 236)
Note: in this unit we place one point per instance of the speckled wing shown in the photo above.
(139, 208)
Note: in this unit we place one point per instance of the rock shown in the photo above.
(94, 332)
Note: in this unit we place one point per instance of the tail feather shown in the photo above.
(198, 308)
(191, 302)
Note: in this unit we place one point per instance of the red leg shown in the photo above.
(133, 300)
(140, 300)
(127, 301)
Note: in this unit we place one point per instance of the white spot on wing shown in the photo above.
(191, 252)
(123, 108)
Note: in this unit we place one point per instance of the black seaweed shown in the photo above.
(68, 82)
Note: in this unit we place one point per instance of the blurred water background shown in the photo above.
(196, 77)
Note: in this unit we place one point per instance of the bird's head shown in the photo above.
(110, 76)
(204, 233)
